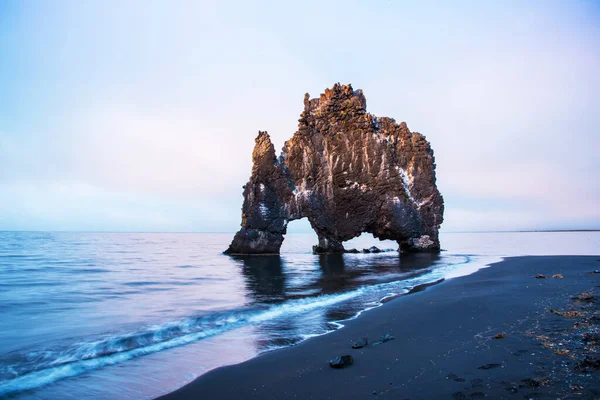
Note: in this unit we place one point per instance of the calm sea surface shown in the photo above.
(133, 316)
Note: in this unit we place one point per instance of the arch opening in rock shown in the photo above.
(299, 237)
(367, 243)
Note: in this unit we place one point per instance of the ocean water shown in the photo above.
(133, 316)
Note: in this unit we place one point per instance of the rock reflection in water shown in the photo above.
(270, 280)
(264, 278)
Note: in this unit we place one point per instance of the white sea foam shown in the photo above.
(113, 350)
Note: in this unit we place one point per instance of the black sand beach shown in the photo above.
(444, 344)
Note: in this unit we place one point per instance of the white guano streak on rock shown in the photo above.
(406, 182)
(329, 165)
(355, 185)
(263, 209)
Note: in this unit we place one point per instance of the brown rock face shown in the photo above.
(348, 172)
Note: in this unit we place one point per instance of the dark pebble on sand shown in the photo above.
(589, 364)
(341, 361)
(361, 343)
(530, 382)
(455, 378)
(489, 366)
(385, 338)
(591, 338)
(585, 297)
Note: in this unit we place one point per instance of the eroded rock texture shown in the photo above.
(348, 172)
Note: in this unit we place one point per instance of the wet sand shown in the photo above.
(444, 345)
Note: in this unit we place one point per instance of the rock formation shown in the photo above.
(348, 172)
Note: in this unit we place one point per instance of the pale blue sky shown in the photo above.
(141, 115)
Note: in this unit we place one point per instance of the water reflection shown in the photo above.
(347, 271)
(269, 280)
(304, 279)
(334, 275)
(417, 261)
(265, 280)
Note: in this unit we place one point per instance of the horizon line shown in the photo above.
(233, 232)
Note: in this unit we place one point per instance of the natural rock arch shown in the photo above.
(348, 172)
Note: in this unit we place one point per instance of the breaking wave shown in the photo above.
(36, 369)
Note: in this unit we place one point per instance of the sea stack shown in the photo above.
(348, 172)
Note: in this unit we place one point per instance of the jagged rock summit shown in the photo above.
(348, 172)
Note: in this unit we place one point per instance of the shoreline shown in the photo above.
(423, 361)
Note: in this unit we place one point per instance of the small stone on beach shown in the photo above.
(341, 361)
(489, 366)
(571, 314)
(455, 378)
(530, 382)
(566, 314)
(589, 364)
(585, 297)
(385, 338)
(591, 338)
(361, 343)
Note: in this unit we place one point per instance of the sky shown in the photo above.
(141, 115)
